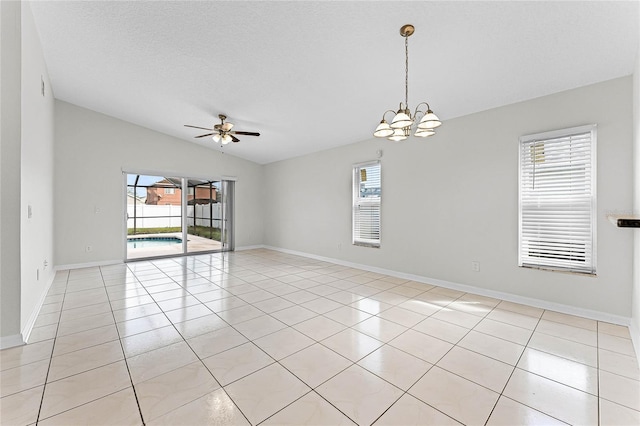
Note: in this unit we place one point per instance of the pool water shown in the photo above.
(133, 243)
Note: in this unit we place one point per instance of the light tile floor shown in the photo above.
(261, 337)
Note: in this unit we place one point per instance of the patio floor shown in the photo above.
(195, 244)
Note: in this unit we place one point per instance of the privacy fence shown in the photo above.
(150, 216)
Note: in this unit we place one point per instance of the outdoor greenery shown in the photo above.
(163, 230)
(205, 232)
(200, 231)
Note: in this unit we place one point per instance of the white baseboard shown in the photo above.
(258, 246)
(538, 303)
(28, 327)
(11, 341)
(635, 339)
(88, 264)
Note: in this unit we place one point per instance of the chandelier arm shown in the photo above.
(385, 113)
(418, 106)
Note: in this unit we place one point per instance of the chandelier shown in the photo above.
(400, 127)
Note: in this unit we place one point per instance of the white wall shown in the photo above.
(453, 198)
(635, 319)
(10, 68)
(27, 173)
(36, 173)
(91, 151)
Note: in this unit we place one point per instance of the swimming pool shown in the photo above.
(146, 242)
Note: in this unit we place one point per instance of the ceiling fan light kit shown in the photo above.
(402, 121)
(222, 132)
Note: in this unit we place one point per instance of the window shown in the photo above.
(366, 204)
(557, 226)
(169, 191)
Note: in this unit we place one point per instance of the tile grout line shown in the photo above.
(434, 364)
(355, 363)
(311, 390)
(539, 375)
(485, 316)
(124, 355)
(287, 326)
(53, 347)
(238, 331)
(278, 361)
(291, 326)
(526, 345)
(252, 268)
(404, 392)
(190, 347)
(515, 366)
(440, 359)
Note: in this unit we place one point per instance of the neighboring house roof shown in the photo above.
(131, 198)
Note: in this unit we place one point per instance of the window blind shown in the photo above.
(557, 200)
(366, 204)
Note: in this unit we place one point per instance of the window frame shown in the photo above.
(356, 201)
(525, 141)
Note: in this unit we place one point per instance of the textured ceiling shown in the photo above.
(315, 75)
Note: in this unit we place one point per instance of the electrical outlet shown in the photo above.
(89, 248)
(339, 246)
(475, 266)
(45, 264)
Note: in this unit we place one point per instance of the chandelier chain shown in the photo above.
(406, 71)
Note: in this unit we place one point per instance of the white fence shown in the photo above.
(203, 215)
(149, 216)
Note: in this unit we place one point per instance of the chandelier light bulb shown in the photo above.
(429, 121)
(398, 135)
(383, 130)
(423, 133)
(402, 119)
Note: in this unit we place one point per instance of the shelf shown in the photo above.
(624, 221)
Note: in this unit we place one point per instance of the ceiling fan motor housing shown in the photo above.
(223, 130)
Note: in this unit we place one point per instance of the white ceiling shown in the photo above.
(312, 75)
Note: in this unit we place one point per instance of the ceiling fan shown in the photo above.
(222, 132)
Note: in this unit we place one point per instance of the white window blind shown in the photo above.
(366, 204)
(558, 200)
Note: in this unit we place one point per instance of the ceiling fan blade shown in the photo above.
(245, 133)
(233, 138)
(204, 136)
(196, 127)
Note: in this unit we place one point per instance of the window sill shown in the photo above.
(562, 271)
(370, 245)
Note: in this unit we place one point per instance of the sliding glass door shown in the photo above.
(168, 216)
(204, 215)
(228, 203)
(154, 216)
